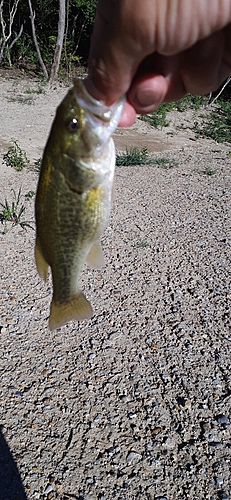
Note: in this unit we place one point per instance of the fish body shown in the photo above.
(73, 198)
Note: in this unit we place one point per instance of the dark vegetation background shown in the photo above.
(17, 48)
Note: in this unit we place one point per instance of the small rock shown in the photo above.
(133, 455)
(48, 489)
(222, 419)
(223, 496)
(170, 443)
(91, 356)
(126, 486)
(90, 480)
(206, 426)
(215, 444)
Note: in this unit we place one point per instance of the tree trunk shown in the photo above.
(59, 42)
(32, 17)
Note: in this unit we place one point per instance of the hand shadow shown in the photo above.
(11, 487)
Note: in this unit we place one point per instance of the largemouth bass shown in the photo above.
(74, 197)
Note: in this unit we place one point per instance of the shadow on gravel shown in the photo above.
(11, 487)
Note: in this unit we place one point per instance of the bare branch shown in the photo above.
(220, 92)
(16, 38)
(5, 37)
(32, 18)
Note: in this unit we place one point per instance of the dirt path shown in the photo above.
(134, 404)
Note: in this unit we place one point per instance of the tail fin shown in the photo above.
(77, 308)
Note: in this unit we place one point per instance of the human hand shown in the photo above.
(158, 50)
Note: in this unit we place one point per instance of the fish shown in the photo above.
(73, 198)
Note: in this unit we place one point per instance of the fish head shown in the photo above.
(100, 120)
(83, 126)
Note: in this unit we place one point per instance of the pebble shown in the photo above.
(215, 444)
(223, 496)
(170, 443)
(222, 419)
(91, 356)
(90, 480)
(48, 489)
(133, 455)
(216, 381)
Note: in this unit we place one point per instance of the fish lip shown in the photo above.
(107, 114)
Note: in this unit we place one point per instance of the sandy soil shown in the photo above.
(134, 404)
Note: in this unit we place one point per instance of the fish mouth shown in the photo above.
(96, 110)
(85, 163)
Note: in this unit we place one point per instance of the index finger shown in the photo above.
(114, 56)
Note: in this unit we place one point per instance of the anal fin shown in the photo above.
(78, 308)
(41, 264)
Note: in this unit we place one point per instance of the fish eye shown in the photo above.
(73, 125)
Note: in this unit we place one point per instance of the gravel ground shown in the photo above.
(134, 404)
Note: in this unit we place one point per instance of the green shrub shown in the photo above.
(157, 118)
(15, 157)
(217, 125)
(12, 212)
(132, 157)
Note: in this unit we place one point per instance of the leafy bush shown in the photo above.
(217, 125)
(15, 157)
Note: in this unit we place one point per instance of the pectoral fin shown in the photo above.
(95, 258)
(77, 308)
(41, 264)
